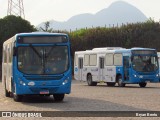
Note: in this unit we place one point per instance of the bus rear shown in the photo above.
(41, 65)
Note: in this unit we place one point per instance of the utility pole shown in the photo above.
(15, 7)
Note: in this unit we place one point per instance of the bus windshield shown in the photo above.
(144, 63)
(43, 59)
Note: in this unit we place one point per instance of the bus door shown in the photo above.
(80, 67)
(101, 68)
(126, 66)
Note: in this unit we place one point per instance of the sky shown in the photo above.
(38, 11)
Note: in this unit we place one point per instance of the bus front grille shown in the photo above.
(43, 78)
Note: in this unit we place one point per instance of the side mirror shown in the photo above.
(14, 51)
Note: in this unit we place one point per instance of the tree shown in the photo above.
(11, 25)
(46, 27)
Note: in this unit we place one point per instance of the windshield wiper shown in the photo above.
(35, 51)
(50, 51)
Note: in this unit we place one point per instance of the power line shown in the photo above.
(15, 7)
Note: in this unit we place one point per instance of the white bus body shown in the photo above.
(94, 65)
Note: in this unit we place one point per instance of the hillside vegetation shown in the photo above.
(145, 34)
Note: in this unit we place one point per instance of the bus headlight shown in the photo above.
(135, 75)
(157, 75)
(24, 84)
(65, 81)
(21, 82)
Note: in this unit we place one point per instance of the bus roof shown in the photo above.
(138, 48)
(106, 50)
(12, 39)
(98, 51)
(40, 33)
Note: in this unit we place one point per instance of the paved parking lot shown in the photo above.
(91, 98)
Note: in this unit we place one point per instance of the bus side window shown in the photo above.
(4, 56)
(86, 60)
(118, 59)
(109, 59)
(10, 53)
(93, 60)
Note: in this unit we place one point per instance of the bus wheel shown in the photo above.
(143, 84)
(90, 82)
(17, 98)
(7, 94)
(120, 82)
(58, 97)
(111, 84)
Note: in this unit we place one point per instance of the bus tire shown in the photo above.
(89, 81)
(120, 82)
(7, 94)
(142, 84)
(58, 97)
(111, 84)
(17, 98)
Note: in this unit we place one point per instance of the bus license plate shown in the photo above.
(101, 82)
(44, 92)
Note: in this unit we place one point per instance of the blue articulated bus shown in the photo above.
(37, 64)
(113, 65)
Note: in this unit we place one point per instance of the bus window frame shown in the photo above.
(69, 58)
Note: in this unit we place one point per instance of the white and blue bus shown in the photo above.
(37, 64)
(117, 65)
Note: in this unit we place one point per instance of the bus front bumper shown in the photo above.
(145, 78)
(38, 90)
